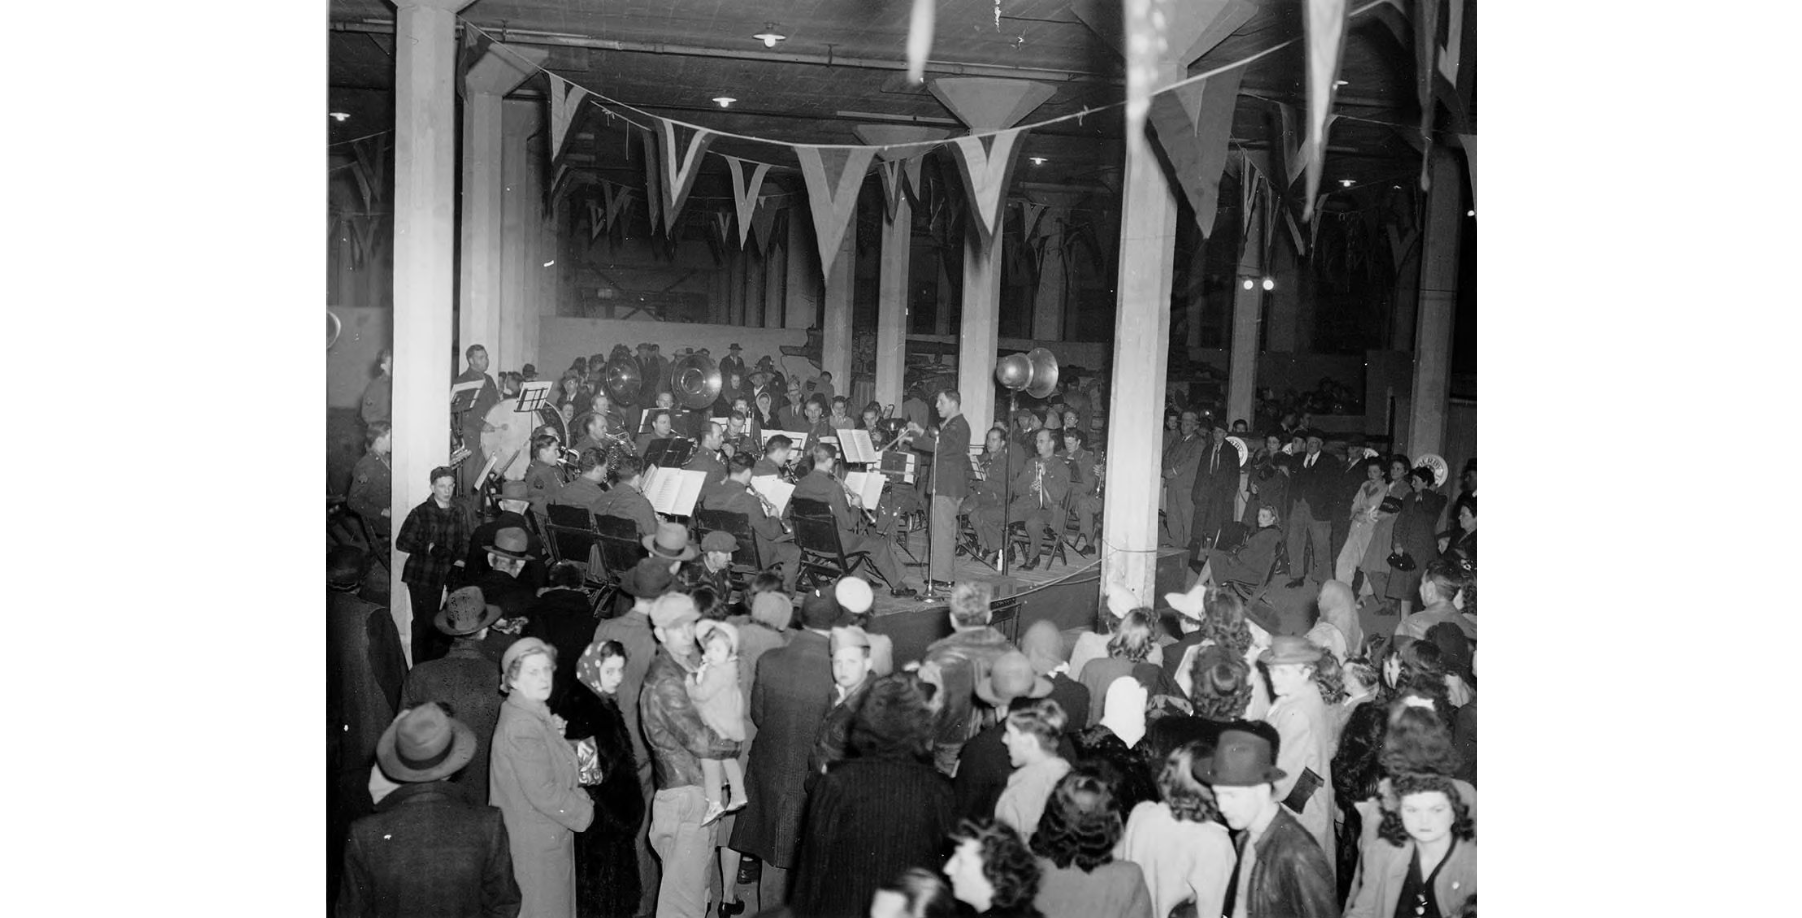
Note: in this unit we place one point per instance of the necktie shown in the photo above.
(1232, 882)
(1214, 466)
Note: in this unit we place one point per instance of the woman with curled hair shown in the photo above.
(1418, 668)
(1179, 843)
(918, 893)
(1414, 740)
(1424, 859)
(532, 781)
(992, 871)
(1075, 845)
(880, 811)
(1129, 654)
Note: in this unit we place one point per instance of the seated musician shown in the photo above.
(1000, 463)
(1039, 490)
(371, 482)
(588, 489)
(594, 432)
(514, 501)
(707, 455)
(1250, 564)
(821, 485)
(626, 498)
(740, 436)
(713, 569)
(661, 429)
(840, 417)
(545, 476)
(813, 420)
(734, 495)
(777, 454)
(1085, 497)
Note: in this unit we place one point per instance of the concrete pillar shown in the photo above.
(835, 321)
(1438, 307)
(499, 72)
(1285, 300)
(524, 248)
(1048, 297)
(1248, 309)
(984, 104)
(941, 319)
(801, 280)
(425, 162)
(897, 258)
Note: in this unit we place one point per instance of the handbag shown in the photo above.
(1391, 504)
(588, 762)
(1401, 560)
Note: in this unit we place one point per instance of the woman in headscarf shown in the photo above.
(532, 781)
(1179, 842)
(606, 858)
(1366, 504)
(1109, 746)
(1075, 845)
(1338, 629)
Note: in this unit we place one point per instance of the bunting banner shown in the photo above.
(597, 219)
(652, 182)
(682, 148)
(1426, 42)
(744, 195)
(618, 198)
(1401, 244)
(1147, 24)
(892, 179)
(566, 97)
(1193, 125)
(833, 176)
(986, 167)
(919, 38)
(1297, 155)
(1031, 215)
(1470, 157)
(763, 224)
(1326, 22)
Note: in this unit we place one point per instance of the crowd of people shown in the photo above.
(715, 745)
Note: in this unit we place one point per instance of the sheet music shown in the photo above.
(799, 438)
(856, 446)
(897, 464)
(775, 490)
(672, 452)
(533, 395)
(674, 491)
(867, 486)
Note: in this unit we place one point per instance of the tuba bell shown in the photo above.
(624, 378)
(1042, 381)
(696, 382)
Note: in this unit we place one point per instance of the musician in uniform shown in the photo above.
(371, 482)
(378, 396)
(1085, 487)
(588, 488)
(707, 457)
(472, 421)
(777, 454)
(1001, 462)
(1039, 491)
(660, 430)
(626, 498)
(741, 437)
(821, 485)
(545, 476)
(948, 479)
(735, 495)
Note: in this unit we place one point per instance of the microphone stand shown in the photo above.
(1007, 483)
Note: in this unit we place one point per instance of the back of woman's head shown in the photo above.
(1224, 623)
(927, 894)
(1417, 740)
(893, 721)
(1043, 719)
(1221, 684)
(1133, 640)
(1082, 822)
(1357, 765)
(1329, 677)
(1189, 800)
(1007, 863)
(1423, 669)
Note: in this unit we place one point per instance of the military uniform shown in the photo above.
(1084, 488)
(371, 491)
(543, 481)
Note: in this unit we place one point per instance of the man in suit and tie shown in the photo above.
(1181, 463)
(949, 482)
(1312, 499)
(1216, 481)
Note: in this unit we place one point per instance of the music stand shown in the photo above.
(463, 395)
(533, 395)
(672, 452)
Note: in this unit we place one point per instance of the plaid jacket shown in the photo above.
(433, 539)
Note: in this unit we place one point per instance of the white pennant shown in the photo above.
(744, 195)
(565, 96)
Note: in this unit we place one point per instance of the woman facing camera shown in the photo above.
(1425, 861)
(1075, 845)
(992, 871)
(532, 780)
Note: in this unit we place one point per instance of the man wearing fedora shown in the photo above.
(645, 582)
(626, 499)
(1304, 750)
(983, 766)
(463, 680)
(774, 544)
(514, 502)
(506, 555)
(732, 362)
(427, 852)
(1281, 872)
(678, 739)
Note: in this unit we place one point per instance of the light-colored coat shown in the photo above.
(532, 779)
(1301, 720)
(1386, 871)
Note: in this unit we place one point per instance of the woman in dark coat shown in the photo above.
(606, 859)
(1415, 534)
(877, 813)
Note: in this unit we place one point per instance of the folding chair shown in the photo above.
(1279, 566)
(967, 543)
(537, 528)
(747, 562)
(571, 536)
(1018, 537)
(816, 534)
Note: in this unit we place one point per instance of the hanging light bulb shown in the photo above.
(1269, 283)
(769, 36)
(1248, 283)
(724, 101)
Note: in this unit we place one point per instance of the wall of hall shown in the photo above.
(561, 339)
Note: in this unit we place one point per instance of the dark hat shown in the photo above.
(528, 371)
(821, 611)
(1454, 648)
(1241, 759)
(1285, 648)
(670, 543)
(1265, 616)
(511, 542)
(424, 744)
(734, 347)
(648, 579)
(466, 611)
(719, 540)
(514, 490)
(645, 345)
(1012, 676)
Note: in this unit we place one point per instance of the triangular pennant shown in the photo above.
(986, 166)
(566, 100)
(1249, 178)
(682, 148)
(763, 220)
(618, 197)
(744, 194)
(833, 176)
(1326, 22)
(1193, 125)
(1297, 152)
(1030, 216)
(889, 171)
(653, 183)
(1301, 247)
(597, 218)
(1470, 156)
(1401, 244)
(1426, 44)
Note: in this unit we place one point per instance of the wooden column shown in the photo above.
(425, 162)
(1438, 306)
(984, 104)
(1248, 309)
(835, 318)
(499, 72)
(897, 257)
(801, 280)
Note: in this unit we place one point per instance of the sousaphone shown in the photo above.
(1034, 371)
(695, 380)
(624, 378)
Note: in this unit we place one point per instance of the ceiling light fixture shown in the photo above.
(1269, 283)
(1470, 213)
(724, 101)
(1249, 284)
(769, 36)
(1339, 83)
(1345, 183)
(1036, 160)
(340, 116)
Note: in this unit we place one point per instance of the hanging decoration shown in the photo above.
(682, 148)
(919, 38)
(1031, 214)
(763, 222)
(566, 101)
(653, 183)
(597, 219)
(833, 176)
(986, 167)
(1193, 125)
(1325, 24)
(744, 194)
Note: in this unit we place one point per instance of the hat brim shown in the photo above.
(650, 544)
(490, 615)
(1270, 658)
(517, 556)
(463, 749)
(1181, 602)
(630, 585)
(1206, 774)
(985, 690)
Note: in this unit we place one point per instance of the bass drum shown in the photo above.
(507, 435)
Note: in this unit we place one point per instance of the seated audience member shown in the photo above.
(962, 659)
(1074, 842)
(992, 871)
(1249, 565)
(1031, 735)
(427, 851)
(1178, 841)
(1425, 859)
(626, 499)
(1281, 871)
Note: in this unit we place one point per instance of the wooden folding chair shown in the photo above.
(816, 534)
(747, 561)
(571, 536)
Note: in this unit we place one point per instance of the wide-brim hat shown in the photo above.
(1241, 759)
(669, 543)
(1286, 648)
(1012, 676)
(1190, 605)
(466, 611)
(424, 744)
(511, 542)
(513, 489)
(734, 347)
(648, 579)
